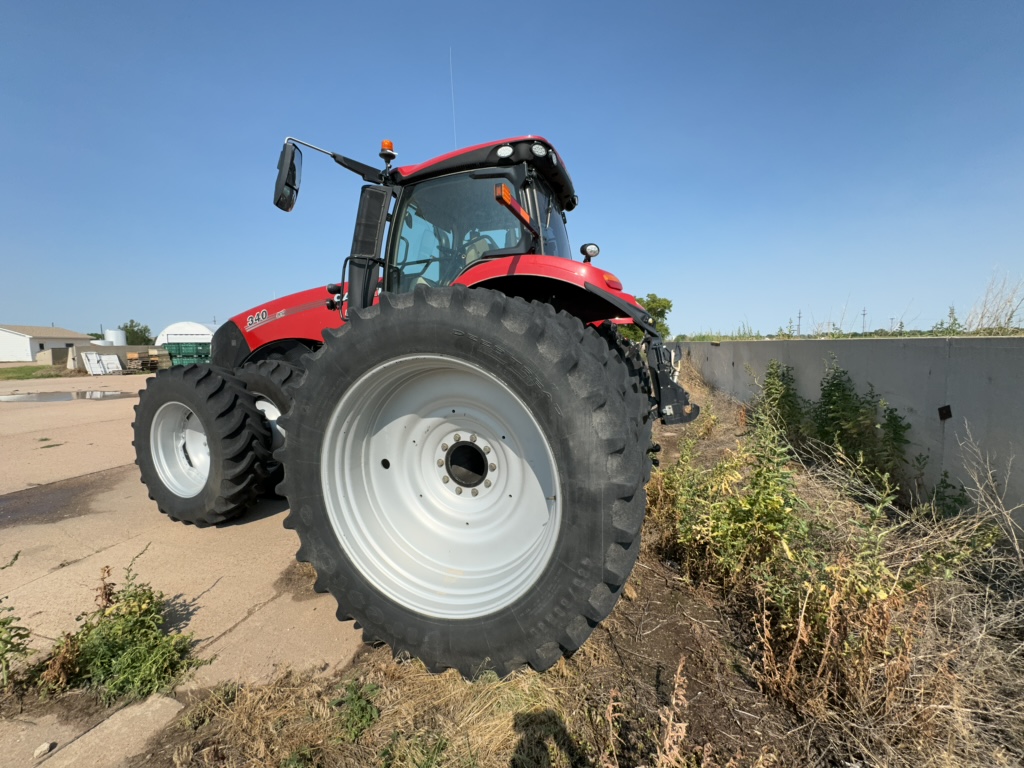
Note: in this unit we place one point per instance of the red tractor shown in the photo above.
(461, 432)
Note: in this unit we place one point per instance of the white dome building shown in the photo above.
(183, 333)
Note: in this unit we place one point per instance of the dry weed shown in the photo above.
(673, 739)
(266, 725)
(929, 672)
(988, 497)
(998, 311)
(485, 722)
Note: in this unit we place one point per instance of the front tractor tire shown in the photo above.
(198, 443)
(465, 474)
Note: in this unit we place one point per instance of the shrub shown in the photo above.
(121, 650)
(862, 427)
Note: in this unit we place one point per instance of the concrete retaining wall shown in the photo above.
(980, 379)
(53, 356)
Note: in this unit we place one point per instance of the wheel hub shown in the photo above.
(466, 462)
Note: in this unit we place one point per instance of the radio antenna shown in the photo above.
(451, 78)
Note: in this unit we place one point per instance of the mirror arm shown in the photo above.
(366, 172)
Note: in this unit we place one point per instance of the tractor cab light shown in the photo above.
(612, 281)
(387, 151)
(589, 251)
(504, 152)
(539, 150)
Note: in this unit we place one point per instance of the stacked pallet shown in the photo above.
(155, 359)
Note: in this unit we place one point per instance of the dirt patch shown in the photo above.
(58, 501)
(661, 621)
(297, 579)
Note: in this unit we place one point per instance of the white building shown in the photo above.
(184, 332)
(23, 342)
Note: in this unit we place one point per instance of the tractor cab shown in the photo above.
(448, 214)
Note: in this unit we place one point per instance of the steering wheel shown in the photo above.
(477, 247)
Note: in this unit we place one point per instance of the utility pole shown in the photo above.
(799, 314)
(864, 320)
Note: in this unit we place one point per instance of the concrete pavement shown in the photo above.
(74, 508)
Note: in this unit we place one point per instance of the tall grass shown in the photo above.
(23, 372)
(897, 634)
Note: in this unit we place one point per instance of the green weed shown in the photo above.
(121, 650)
(861, 427)
(300, 758)
(356, 711)
(420, 750)
(13, 637)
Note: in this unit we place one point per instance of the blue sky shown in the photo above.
(747, 160)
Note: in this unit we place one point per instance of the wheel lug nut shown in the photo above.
(487, 483)
(492, 467)
(487, 449)
(440, 462)
(475, 491)
(444, 446)
(444, 479)
(458, 490)
(472, 438)
(457, 437)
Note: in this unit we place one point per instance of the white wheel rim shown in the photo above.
(177, 442)
(457, 548)
(271, 414)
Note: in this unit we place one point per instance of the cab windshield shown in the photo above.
(447, 224)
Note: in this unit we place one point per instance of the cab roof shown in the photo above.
(548, 164)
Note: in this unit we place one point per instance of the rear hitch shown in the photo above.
(674, 406)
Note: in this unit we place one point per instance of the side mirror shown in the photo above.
(289, 173)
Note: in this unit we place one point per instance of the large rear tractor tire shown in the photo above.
(198, 441)
(640, 387)
(269, 382)
(464, 473)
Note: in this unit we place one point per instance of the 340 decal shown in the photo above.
(256, 318)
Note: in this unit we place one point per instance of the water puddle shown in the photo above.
(60, 397)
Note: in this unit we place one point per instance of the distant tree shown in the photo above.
(658, 308)
(95, 335)
(137, 333)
